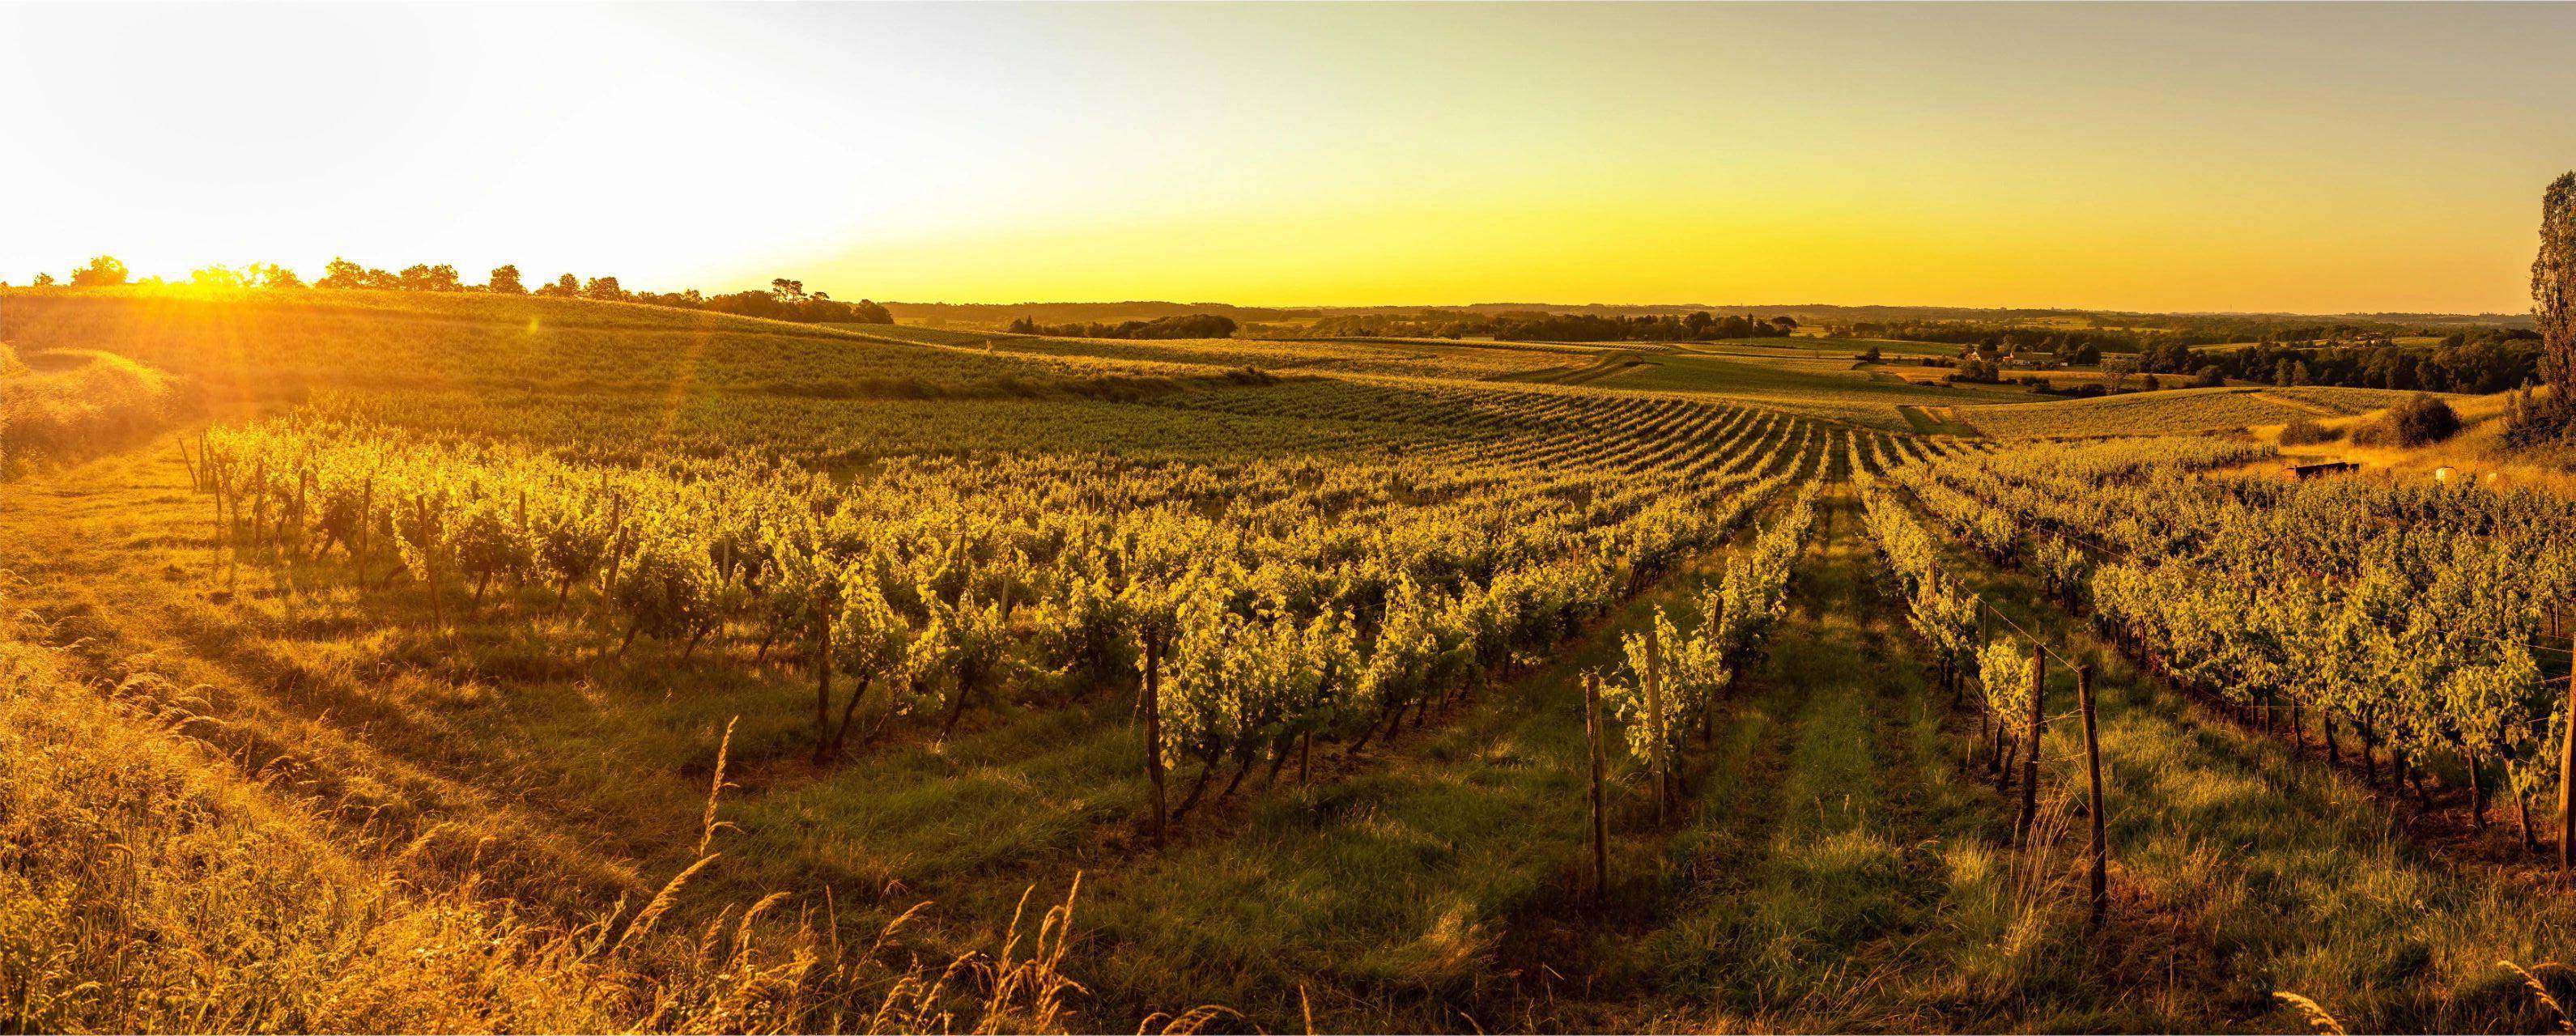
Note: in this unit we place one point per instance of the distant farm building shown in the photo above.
(2320, 469)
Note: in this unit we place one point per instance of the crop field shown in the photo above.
(2175, 411)
(1831, 388)
(460, 662)
(1378, 356)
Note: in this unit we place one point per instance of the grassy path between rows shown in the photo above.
(1831, 868)
(1434, 892)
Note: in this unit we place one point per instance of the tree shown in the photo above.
(424, 277)
(219, 277)
(44, 280)
(104, 271)
(341, 273)
(505, 281)
(564, 287)
(2553, 309)
(2553, 286)
(604, 289)
(271, 275)
(786, 291)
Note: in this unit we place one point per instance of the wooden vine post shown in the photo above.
(2030, 762)
(822, 679)
(2101, 862)
(1600, 816)
(194, 482)
(429, 559)
(1154, 729)
(1655, 719)
(2566, 785)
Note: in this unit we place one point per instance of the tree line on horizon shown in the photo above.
(1190, 325)
(786, 299)
(2351, 354)
(1534, 326)
(2483, 361)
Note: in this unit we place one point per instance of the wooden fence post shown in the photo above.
(2038, 725)
(2093, 771)
(1600, 818)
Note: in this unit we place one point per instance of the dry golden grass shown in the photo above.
(146, 884)
(58, 403)
(2477, 452)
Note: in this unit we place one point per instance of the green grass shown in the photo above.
(1832, 347)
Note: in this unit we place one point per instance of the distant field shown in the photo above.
(1839, 346)
(1830, 388)
(2176, 411)
(925, 335)
(1430, 358)
(1943, 420)
(1932, 375)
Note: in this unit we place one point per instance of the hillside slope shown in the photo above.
(268, 347)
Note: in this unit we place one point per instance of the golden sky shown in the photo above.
(2305, 157)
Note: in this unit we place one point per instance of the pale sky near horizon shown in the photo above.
(2304, 157)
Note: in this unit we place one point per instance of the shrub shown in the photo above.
(1981, 372)
(2533, 420)
(2420, 421)
(2306, 431)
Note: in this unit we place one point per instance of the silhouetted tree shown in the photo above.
(219, 276)
(104, 271)
(604, 289)
(341, 273)
(505, 281)
(423, 277)
(564, 287)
